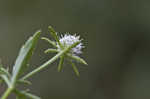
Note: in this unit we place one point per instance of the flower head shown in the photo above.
(67, 40)
(63, 43)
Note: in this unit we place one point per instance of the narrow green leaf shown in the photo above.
(49, 41)
(24, 56)
(25, 95)
(5, 72)
(51, 51)
(72, 46)
(6, 79)
(4, 75)
(31, 96)
(75, 69)
(78, 59)
(24, 82)
(61, 63)
(54, 34)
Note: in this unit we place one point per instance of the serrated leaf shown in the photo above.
(24, 56)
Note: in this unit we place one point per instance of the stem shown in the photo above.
(50, 61)
(43, 66)
(7, 93)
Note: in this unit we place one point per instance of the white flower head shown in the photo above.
(67, 40)
(67, 46)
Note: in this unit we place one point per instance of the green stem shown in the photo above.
(43, 66)
(50, 61)
(7, 93)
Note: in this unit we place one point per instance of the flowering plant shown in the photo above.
(66, 47)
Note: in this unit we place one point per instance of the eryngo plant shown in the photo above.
(66, 47)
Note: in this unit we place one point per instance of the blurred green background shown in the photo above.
(116, 35)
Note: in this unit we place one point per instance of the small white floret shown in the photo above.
(68, 40)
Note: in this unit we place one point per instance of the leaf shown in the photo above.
(61, 63)
(24, 56)
(25, 95)
(24, 82)
(51, 51)
(6, 79)
(54, 34)
(31, 96)
(78, 59)
(4, 75)
(5, 72)
(75, 69)
(49, 41)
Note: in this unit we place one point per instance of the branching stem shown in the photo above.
(50, 61)
(7, 93)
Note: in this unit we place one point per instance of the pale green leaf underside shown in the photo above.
(24, 56)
